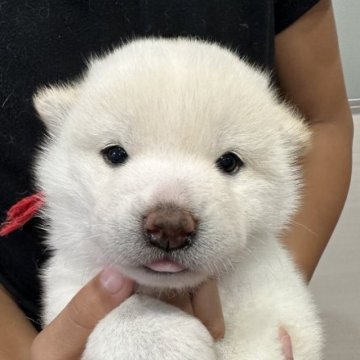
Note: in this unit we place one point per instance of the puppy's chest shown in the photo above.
(258, 282)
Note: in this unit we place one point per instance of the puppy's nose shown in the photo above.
(169, 228)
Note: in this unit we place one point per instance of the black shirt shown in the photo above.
(46, 41)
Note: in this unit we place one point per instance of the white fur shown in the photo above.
(176, 106)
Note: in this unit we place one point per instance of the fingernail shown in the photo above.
(112, 280)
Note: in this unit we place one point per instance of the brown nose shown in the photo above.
(169, 228)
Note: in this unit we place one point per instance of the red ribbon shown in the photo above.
(21, 212)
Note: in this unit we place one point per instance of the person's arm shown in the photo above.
(17, 333)
(309, 71)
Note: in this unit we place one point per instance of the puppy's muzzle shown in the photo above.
(170, 228)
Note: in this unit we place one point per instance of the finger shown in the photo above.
(207, 308)
(180, 300)
(65, 337)
(286, 344)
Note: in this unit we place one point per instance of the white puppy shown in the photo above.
(174, 161)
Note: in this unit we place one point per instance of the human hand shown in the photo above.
(65, 337)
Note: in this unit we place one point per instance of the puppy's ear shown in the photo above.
(53, 104)
(296, 134)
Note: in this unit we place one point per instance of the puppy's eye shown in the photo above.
(229, 163)
(115, 154)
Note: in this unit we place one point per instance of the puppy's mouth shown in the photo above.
(164, 272)
(165, 266)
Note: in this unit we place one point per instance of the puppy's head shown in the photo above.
(169, 159)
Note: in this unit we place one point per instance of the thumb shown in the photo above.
(65, 337)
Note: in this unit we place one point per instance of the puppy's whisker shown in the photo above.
(305, 227)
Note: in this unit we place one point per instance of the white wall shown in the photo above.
(347, 15)
(336, 283)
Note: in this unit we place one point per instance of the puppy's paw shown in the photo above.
(143, 328)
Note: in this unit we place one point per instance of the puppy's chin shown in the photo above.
(146, 277)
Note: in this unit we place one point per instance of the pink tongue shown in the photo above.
(165, 266)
